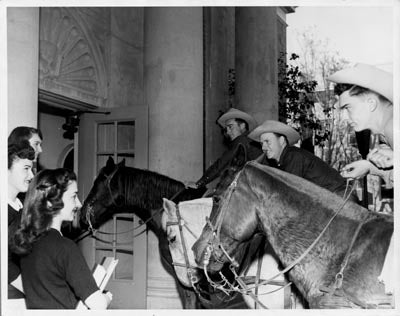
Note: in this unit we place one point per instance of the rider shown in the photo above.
(366, 95)
(277, 140)
(237, 125)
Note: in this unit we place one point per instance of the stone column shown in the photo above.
(256, 62)
(173, 79)
(23, 65)
(173, 57)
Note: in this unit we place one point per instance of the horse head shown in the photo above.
(103, 199)
(228, 230)
(182, 224)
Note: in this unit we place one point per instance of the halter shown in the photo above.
(108, 185)
(215, 242)
(90, 212)
(189, 268)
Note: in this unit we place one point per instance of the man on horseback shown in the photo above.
(277, 140)
(237, 125)
(366, 96)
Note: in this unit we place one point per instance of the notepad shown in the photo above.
(104, 271)
(102, 274)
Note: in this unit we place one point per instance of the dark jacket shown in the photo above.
(14, 219)
(304, 164)
(253, 151)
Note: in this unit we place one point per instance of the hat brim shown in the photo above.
(275, 127)
(366, 76)
(234, 114)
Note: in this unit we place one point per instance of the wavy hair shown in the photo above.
(43, 201)
(355, 90)
(22, 150)
(22, 133)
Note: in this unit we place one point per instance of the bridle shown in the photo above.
(90, 213)
(189, 268)
(215, 243)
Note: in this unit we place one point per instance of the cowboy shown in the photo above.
(366, 97)
(277, 140)
(237, 125)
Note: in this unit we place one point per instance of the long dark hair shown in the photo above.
(43, 201)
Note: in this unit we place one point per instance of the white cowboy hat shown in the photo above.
(366, 76)
(271, 126)
(235, 113)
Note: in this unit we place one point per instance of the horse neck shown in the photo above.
(143, 191)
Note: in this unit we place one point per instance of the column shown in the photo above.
(256, 62)
(173, 79)
(173, 57)
(23, 65)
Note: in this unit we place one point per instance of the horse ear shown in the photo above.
(122, 163)
(110, 163)
(169, 206)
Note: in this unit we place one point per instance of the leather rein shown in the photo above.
(215, 243)
(90, 211)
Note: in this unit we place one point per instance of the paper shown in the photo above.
(102, 274)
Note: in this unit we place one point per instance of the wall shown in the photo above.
(22, 63)
(54, 145)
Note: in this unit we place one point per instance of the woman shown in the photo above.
(31, 134)
(20, 159)
(54, 273)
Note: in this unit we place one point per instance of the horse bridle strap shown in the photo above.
(89, 213)
(189, 268)
(305, 253)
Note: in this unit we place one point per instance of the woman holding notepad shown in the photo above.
(54, 273)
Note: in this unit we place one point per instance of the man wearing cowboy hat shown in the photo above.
(277, 140)
(237, 125)
(366, 96)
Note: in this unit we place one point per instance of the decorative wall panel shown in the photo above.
(72, 63)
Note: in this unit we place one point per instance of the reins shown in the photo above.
(89, 213)
(244, 288)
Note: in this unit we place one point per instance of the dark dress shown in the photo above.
(55, 275)
(14, 218)
(253, 151)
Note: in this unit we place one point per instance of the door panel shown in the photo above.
(122, 134)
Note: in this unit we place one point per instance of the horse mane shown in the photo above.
(315, 195)
(149, 187)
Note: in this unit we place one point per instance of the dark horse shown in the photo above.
(122, 189)
(339, 270)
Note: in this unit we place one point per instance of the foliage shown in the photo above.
(296, 100)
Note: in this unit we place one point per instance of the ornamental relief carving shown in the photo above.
(70, 62)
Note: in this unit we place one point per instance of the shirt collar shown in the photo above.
(16, 205)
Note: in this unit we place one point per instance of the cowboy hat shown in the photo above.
(366, 76)
(271, 126)
(237, 114)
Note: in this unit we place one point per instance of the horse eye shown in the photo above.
(172, 240)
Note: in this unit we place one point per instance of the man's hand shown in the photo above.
(356, 169)
(190, 184)
(382, 157)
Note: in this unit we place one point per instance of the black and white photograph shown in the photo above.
(226, 157)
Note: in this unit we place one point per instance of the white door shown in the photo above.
(122, 134)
